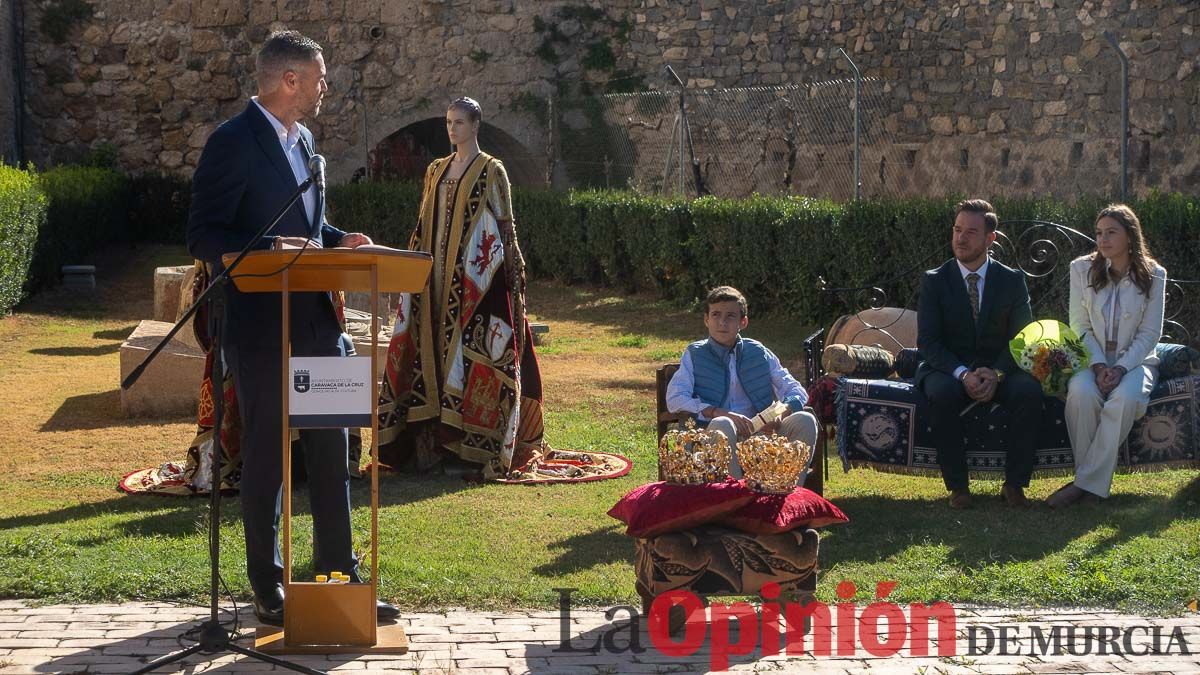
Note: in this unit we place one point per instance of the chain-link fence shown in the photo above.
(1027, 129)
(729, 142)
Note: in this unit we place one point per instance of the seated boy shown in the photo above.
(728, 379)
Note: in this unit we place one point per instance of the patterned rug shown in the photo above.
(188, 478)
(880, 423)
(191, 477)
(569, 466)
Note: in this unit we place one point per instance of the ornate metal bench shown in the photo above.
(1043, 251)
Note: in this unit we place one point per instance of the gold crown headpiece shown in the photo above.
(772, 464)
(694, 455)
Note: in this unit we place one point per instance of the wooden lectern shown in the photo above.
(326, 617)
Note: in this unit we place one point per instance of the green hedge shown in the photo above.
(387, 212)
(551, 236)
(22, 216)
(775, 249)
(158, 208)
(88, 208)
(772, 248)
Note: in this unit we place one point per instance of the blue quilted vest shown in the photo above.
(710, 368)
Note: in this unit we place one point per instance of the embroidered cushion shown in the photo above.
(657, 508)
(1177, 361)
(857, 361)
(773, 514)
(822, 398)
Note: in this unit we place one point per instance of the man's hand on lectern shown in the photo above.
(282, 243)
(354, 240)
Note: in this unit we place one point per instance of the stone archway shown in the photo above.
(406, 153)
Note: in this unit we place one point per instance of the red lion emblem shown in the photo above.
(488, 247)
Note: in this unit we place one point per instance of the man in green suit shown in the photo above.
(970, 308)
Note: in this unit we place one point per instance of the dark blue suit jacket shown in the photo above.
(947, 337)
(243, 178)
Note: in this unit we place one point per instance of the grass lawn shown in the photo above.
(67, 534)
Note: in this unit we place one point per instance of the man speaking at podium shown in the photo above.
(249, 168)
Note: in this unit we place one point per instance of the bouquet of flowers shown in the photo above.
(1051, 352)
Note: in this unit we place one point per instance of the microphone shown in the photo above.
(316, 167)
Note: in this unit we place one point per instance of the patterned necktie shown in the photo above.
(973, 293)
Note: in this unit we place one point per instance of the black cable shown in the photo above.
(191, 633)
(281, 270)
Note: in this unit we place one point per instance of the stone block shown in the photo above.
(186, 335)
(362, 347)
(1148, 117)
(79, 277)
(116, 71)
(167, 284)
(1056, 108)
(170, 386)
(220, 13)
(942, 125)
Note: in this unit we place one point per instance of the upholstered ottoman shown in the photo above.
(712, 560)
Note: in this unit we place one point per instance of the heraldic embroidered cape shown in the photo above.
(461, 371)
(191, 477)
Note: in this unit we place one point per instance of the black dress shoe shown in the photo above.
(1014, 495)
(269, 607)
(385, 610)
(960, 499)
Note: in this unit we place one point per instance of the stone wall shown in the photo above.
(8, 104)
(1029, 89)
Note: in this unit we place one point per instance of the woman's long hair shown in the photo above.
(1141, 264)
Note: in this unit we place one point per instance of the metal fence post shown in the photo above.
(362, 99)
(1124, 114)
(681, 188)
(857, 149)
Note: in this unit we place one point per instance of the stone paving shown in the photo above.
(120, 638)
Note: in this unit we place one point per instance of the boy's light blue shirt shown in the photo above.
(681, 392)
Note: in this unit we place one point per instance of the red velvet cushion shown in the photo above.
(773, 514)
(657, 508)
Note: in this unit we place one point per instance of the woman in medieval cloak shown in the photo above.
(462, 380)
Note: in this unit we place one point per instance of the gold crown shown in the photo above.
(694, 455)
(773, 464)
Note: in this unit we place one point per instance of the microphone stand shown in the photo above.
(214, 637)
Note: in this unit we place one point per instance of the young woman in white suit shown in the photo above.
(1117, 296)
